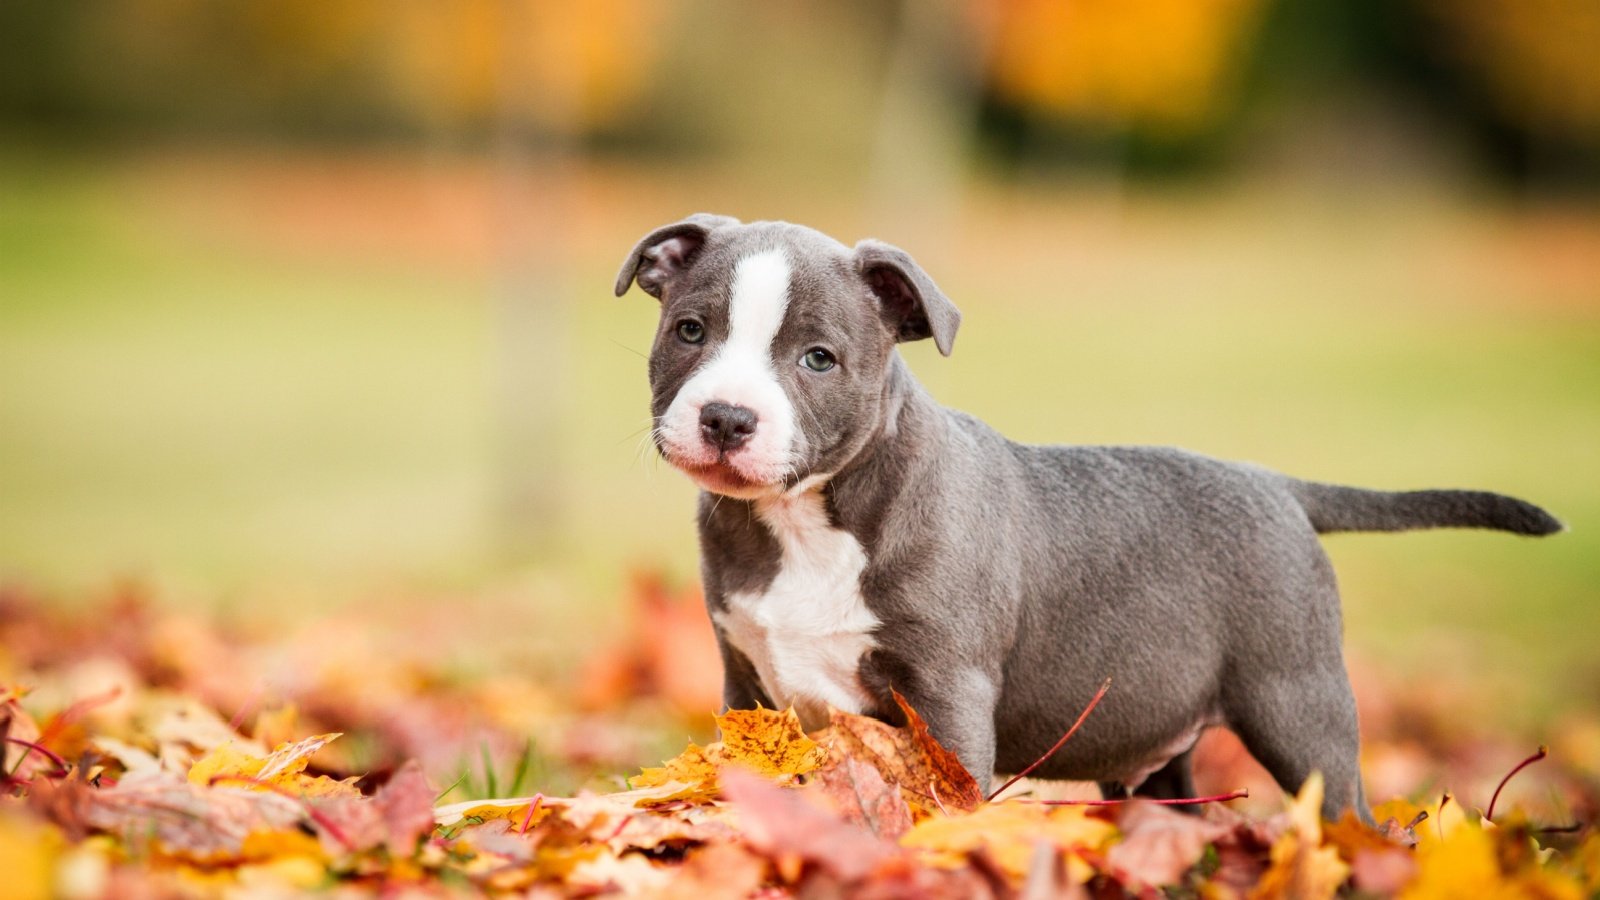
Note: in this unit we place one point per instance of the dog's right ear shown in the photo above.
(665, 252)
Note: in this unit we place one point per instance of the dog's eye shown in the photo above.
(817, 360)
(691, 332)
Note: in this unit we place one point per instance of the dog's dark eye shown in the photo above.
(691, 332)
(817, 360)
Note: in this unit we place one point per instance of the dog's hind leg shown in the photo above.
(1298, 725)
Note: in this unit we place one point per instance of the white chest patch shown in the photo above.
(806, 633)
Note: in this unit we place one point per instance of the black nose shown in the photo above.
(725, 426)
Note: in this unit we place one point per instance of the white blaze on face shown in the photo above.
(740, 373)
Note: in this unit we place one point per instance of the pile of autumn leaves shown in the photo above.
(168, 796)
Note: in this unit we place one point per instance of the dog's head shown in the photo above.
(768, 367)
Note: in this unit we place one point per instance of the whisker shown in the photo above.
(629, 349)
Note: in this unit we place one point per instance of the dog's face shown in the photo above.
(768, 366)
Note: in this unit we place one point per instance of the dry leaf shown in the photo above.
(1301, 868)
(1008, 831)
(1158, 845)
(858, 792)
(794, 833)
(930, 777)
(767, 741)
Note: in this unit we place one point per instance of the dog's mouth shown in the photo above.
(721, 477)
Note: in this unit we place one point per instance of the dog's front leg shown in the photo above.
(741, 686)
(958, 705)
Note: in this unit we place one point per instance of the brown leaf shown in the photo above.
(183, 819)
(929, 776)
(720, 870)
(857, 790)
(1158, 845)
(794, 833)
(405, 804)
(957, 788)
(65, 802)
(1244, 852)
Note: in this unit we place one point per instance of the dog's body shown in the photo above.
(856, 537)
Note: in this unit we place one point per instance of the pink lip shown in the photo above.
(718, 476)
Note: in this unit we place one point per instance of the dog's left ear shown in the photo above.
(912, 304)
(663, 253)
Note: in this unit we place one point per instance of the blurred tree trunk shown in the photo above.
(925, 130)
(535, 138)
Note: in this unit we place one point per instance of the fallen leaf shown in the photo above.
(1302, 869)
(857, 790)
(405, 802)
(514, 809)
(1158, 845)
(282, 768)
(1381, 861)
(719, 870)
(930, 777)
(766, 741)
(28, 852)
(186, 820)
(793, 832)
(1009, 831)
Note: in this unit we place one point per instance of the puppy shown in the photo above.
(856, 536)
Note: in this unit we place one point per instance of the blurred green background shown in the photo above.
(301, 302)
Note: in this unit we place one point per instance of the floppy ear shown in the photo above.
(912, 304)
(665, 252)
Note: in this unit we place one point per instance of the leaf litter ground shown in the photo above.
(148, 753)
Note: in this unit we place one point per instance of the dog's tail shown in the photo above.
(1332, 507)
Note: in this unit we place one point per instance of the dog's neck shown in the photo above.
(898, 456)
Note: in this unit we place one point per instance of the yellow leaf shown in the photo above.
(694, 766)
(768, 742)
(1301, 868)
(282, 768)
(225, 760)
(298, 872)
(1009, 831)
(1475, 861)
(1461, 865)
(291, 759)
(514, 809)
(275, 843)
(27, 857)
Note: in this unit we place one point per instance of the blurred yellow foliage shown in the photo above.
(560, 63)
(1161, 65)
(28, 852)
(563, 64)
(1539, 59)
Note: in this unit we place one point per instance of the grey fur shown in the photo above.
(1010, 579)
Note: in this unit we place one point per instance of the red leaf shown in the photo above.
(793, 832)
(861, 795)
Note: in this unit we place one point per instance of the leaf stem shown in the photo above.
(32, 747)
(1172, 801)
(1104, 686)
(1543, 752)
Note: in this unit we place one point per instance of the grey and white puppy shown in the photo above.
(858, 536)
